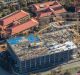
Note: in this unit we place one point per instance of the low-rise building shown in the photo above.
(47, 10)
(17, 22)
(25, 26)
(44, 7)
(17, 15)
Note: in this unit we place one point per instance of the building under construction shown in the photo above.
(36, 53)
(53, 44)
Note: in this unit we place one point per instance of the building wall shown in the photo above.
(44, 63)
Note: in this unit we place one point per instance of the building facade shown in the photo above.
(37, 57)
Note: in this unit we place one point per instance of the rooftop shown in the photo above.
(46, 44)
(46, 5)
(54, 5)
(13, 17)
(19, 28)
(44, 13)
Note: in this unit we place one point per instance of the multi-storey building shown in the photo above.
(32, 54)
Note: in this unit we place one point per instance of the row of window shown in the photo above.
(46, 61)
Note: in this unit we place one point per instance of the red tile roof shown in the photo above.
(44, 13)
(45, 5)
(25, 26)
(13, 17)
(54, 5)
(58, 10)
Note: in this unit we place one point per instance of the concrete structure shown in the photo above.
(46, 52)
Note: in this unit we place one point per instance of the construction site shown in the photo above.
(41, 43)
